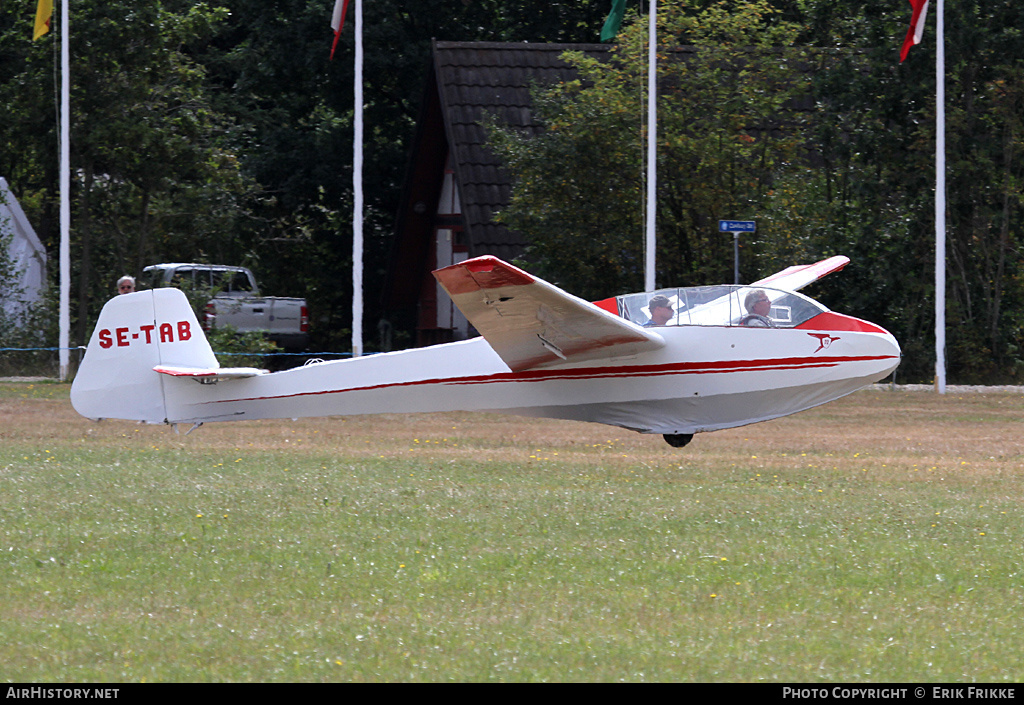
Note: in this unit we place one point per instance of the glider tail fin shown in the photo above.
(136, 333)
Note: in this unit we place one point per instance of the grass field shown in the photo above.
(878, 538)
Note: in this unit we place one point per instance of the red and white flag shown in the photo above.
(916, 26)
(338, 21)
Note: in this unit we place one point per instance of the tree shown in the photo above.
(273, 76)
(849, 173)
(151, 173)
(220, 131)
(876, 138)
(727, 130)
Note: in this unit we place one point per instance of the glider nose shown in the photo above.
(890, 352)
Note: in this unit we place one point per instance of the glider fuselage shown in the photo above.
(543, 353)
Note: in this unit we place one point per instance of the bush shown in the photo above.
(234, 349)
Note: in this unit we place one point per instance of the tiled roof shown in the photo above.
(477, 79)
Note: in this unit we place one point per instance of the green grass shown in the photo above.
(462, 548)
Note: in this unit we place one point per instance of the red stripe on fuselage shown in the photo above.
(606, 372)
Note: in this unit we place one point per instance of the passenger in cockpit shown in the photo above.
(661, 311)
(759, 306)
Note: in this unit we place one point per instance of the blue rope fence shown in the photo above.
(247, 354)
(77, 347)
(286, 354)
(43, 362)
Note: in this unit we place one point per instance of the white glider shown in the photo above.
(542, 352)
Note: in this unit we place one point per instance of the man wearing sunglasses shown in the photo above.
(661, 311)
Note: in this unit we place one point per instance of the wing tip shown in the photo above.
(811, 273)
(479, 273)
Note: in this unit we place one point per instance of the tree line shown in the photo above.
(221, 131)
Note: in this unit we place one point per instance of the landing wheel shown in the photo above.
(678, 440)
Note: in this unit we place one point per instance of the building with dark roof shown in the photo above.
(454, 184)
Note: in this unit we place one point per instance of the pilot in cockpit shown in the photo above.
(759, 306)
(661, 311)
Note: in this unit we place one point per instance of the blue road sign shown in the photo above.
(737, 226)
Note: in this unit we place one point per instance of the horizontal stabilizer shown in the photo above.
(531, 323)
(208, 375)
(798, 276)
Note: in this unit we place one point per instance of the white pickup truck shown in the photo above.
(237, 301)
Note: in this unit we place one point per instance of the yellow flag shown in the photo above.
(43, 14)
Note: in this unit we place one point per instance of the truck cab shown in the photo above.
(236, 301)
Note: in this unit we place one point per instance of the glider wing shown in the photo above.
(531, 323)
(797, 277)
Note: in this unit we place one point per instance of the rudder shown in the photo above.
(135, 333)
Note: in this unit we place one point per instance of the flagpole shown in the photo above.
(940, 201)
(65, 192)
(650, 248)
(357, 186)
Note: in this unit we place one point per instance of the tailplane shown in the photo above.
(137, 334)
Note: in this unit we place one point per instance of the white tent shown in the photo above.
(24, 252)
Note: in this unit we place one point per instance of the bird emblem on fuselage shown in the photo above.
(824, 339)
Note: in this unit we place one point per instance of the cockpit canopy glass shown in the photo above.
(723, 305)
